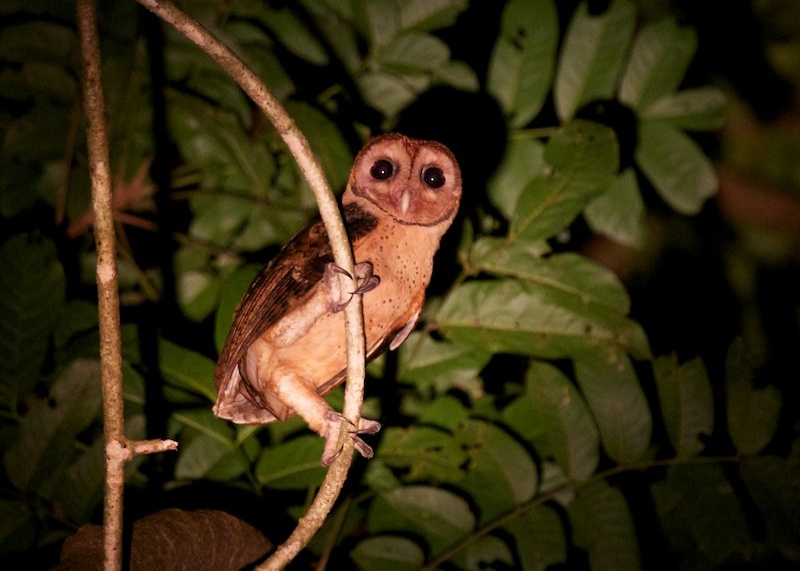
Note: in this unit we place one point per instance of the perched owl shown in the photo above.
(286, 347)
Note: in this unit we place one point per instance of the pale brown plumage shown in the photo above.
(286, 347)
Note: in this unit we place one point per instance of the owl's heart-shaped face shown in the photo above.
(413, 181)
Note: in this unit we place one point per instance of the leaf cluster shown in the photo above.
(528, 423)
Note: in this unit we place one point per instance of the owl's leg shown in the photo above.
(303, 399)
(366, 280)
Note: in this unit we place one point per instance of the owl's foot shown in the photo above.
(333, 428)
(366, 280)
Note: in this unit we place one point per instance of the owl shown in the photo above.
(286, 347)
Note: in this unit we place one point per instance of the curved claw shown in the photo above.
(366, 280)
(335, 421)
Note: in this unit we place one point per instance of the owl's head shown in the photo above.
(413, 181)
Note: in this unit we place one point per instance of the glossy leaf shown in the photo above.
(292, 465)
(187, 369)
(592, 55)
(619, 212)
(604, 528)
(208, 450)
(698, 109)
(423, 453)
(522, 62)
(295, 36)
(686, 401)
(615, 396)
(540, 539)
(523, 161)
(389, 553)
(659, 59)
(675, 165)
(501, 474)
(568, 273)
(441, 365)
(429, 14)
(513, 316)
(555, 418)
(583, 157)
(753, 412)
(435, 514)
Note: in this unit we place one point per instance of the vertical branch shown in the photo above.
(118, 449)
(107, 291)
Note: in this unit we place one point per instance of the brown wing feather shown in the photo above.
(282, 285)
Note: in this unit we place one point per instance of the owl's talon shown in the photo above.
(365, 279)
(333, 421)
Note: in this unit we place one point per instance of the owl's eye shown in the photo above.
(433, 177)
(382, 169)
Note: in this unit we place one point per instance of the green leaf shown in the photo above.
(292, 465)
(513, 316)
(604, 528)
(540, 539)
(698, 109)
(659, 59)
(687, 405)
(773, 483)
(522, 162)
(383, 17)
(32, 292)
(446, 412)
(487, 552)
(388, 92)
(584, 158)
(328, 143)
(501, 474)
(753, 413)
(414, 52)
(441, 365)
(187, 370)
(292, 34)
(522, 62)
(388, 553)
(427, 15)
(676, 166)
(206, 457)
(588, 282)
(197, 293)
(698, 504)
(592, 55)
(424, 453)
(440, 517)
(619, 212)
(554, 417)
(612, 390)
(46, 434)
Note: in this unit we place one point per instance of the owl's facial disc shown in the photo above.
(415, 182)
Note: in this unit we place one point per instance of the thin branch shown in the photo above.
(342, 254)
(118, 449)
(107, 291)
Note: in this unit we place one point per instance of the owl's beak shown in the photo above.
(405, 200)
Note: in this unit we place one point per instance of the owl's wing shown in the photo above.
(280, 288)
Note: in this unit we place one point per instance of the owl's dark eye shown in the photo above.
(382, 169)
(433, 177)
